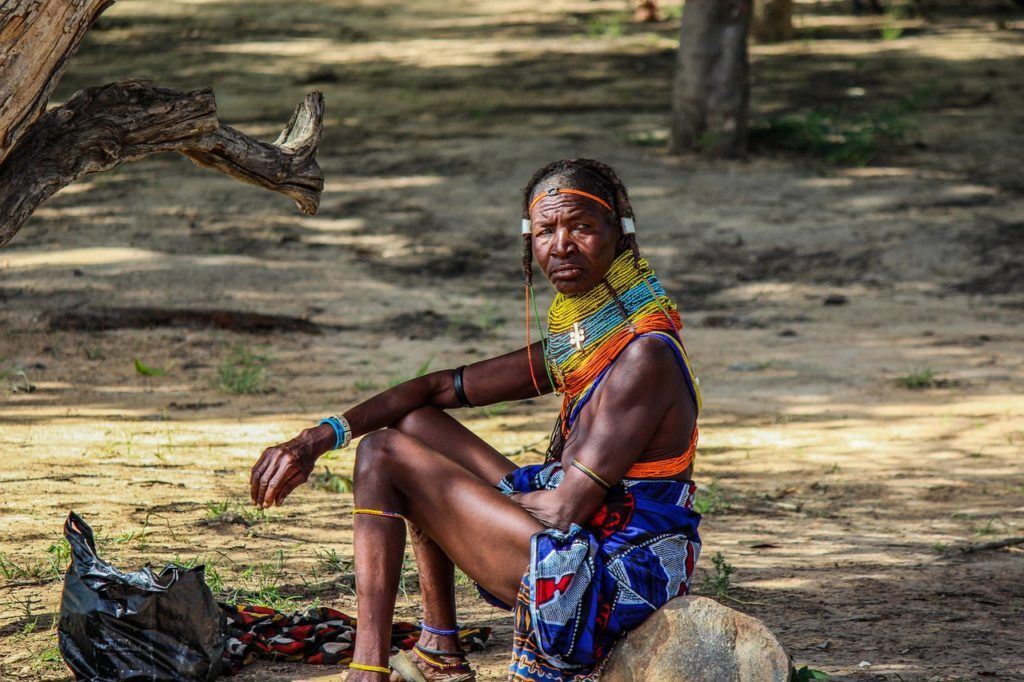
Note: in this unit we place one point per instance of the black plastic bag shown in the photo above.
(136, 626)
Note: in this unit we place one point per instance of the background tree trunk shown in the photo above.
(99, 128)
(712, 90)
(772, 20)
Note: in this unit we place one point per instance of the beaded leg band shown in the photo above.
(369, 668)
(378, 512)
(427, 656)
(439, 631)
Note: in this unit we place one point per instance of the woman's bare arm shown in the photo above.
(494, 380)
(625, 413)
(282, 468)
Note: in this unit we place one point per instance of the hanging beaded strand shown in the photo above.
(543, 339)
(618, 304)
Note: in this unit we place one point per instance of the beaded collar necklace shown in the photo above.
(586, 332)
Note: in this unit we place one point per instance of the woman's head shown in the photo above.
(575, 209)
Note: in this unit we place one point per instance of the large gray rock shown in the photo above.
(693, 639)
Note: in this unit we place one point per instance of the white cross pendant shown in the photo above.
(576, 336)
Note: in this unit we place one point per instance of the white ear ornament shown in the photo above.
(628, 226)
(527, 226)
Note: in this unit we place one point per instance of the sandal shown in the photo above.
(406, 666)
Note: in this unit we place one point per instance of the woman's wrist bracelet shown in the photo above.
(342, 430)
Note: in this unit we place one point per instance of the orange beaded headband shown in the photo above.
(628, 226)
(552, 191)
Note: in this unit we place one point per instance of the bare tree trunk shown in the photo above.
(102, 127)
(711, 93)
(772, 20)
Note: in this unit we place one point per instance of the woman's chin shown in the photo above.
(571, 287)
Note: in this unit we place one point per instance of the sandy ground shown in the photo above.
(839, 494)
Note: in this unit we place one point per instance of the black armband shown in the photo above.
(460, 390)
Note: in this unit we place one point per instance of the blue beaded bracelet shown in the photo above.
(342, 430)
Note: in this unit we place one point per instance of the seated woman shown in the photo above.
(582, 548)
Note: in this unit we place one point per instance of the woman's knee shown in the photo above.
(374, 451)
(421, 420)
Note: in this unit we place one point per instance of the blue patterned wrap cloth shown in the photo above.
(588, 586)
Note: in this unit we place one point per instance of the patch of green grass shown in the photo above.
(719, 581)
(16, 380)
(494, 410)
(233, 511)
(607, 26)
(839, 138)
(363, 385)
(990, 527)
(139, 536)
(891, 30)
(939, 547)
(243, 372)
(145, 370)
(60, 557)
(461, 579)
(42, 571)
(409, 578)
(424, 367)
(485, 318)
(50, 658)
(214, 580)
(710, 499)
(211, 574)
(28, 628)
(806, 674)
(12, 570)
(217, 509)
(330, 482)
(261, 586)
(329, 561)
(919, 379)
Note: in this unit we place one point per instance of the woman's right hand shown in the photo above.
(282, 468)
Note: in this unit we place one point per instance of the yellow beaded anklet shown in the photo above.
(369, 668)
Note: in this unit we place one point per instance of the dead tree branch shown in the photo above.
(102, 127)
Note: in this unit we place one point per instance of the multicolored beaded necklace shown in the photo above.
(586, 332)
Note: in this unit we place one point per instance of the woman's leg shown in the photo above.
(485, 533)
(441, 432)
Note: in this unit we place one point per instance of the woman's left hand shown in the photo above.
(545, 506)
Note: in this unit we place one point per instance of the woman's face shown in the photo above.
(574, 241)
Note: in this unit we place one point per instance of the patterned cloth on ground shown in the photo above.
(319, 636)
(588, 586)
